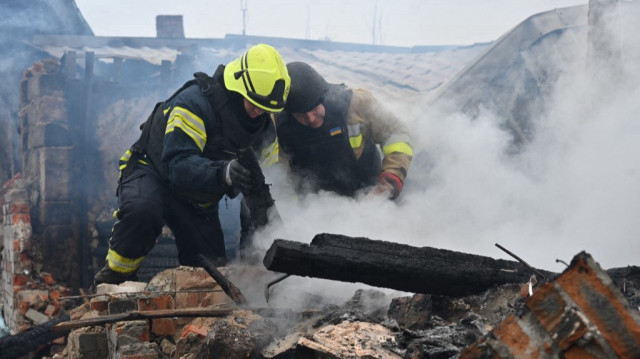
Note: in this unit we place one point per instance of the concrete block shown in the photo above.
(36, 317)
(122, 305)
(88, 343)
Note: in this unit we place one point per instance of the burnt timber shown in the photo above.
(397, 266)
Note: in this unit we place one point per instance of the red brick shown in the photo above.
(603, 305)
(10, 183)
(192, 328)
(28, 299)
(156, 303)
(577, 352)
(186, 300)
(99, 303)
(20, 279)
(20, 217)
(194, 279)
(512, 335)
(214, 298)
(164, 326)
(19, 208)
(51, 310)
(48, 279)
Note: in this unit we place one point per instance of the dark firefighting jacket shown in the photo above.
(188, 137)
(343, 154)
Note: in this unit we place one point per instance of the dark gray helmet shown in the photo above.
(307, 87)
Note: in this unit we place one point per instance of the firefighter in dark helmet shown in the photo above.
(339, 139)
(184, 161)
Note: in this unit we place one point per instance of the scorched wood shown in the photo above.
(392, 265)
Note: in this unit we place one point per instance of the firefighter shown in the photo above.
(184, 162)
(339, 139)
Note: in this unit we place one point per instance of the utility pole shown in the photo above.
(376, 27)
(373, 27)
(243, 8)
(308, 29)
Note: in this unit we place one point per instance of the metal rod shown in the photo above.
(523, 262)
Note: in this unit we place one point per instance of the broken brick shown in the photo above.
(192, 328)
(99, 303)
(187, 300)
(19, 208)
(20, 279)
(51, 310)
(156, 303)
(164, 326)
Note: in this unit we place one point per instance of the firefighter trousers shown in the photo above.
(145, 205)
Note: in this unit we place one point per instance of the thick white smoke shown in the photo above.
(574, 187)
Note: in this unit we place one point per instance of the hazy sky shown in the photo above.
(398, 22)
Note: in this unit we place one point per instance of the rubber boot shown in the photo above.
(108, 275)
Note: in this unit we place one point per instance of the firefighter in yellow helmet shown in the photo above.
(184, 163)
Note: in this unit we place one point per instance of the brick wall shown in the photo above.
(16, 241)
(49, 141)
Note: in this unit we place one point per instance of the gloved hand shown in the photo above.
(237, 175)
(390, 183)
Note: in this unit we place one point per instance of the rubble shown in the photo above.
(583, 310)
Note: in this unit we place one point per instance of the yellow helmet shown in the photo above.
(260, 76)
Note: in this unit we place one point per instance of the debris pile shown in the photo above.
(184, 313)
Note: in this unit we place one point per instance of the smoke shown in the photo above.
(575, 187)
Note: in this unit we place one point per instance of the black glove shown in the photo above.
(237, 175)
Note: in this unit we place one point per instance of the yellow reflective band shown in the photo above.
(125, 157)
(189, 123)
(270, 154)
(401, 147)
(121, 264)
(355, 141)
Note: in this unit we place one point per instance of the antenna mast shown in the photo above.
(243, 8)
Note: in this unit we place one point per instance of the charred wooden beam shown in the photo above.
(392, 265)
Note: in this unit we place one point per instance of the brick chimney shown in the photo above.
(169, 27)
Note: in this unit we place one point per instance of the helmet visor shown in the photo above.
(274, 100)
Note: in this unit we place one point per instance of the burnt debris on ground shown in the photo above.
(184, 313)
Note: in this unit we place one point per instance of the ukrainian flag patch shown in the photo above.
(335, 131)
